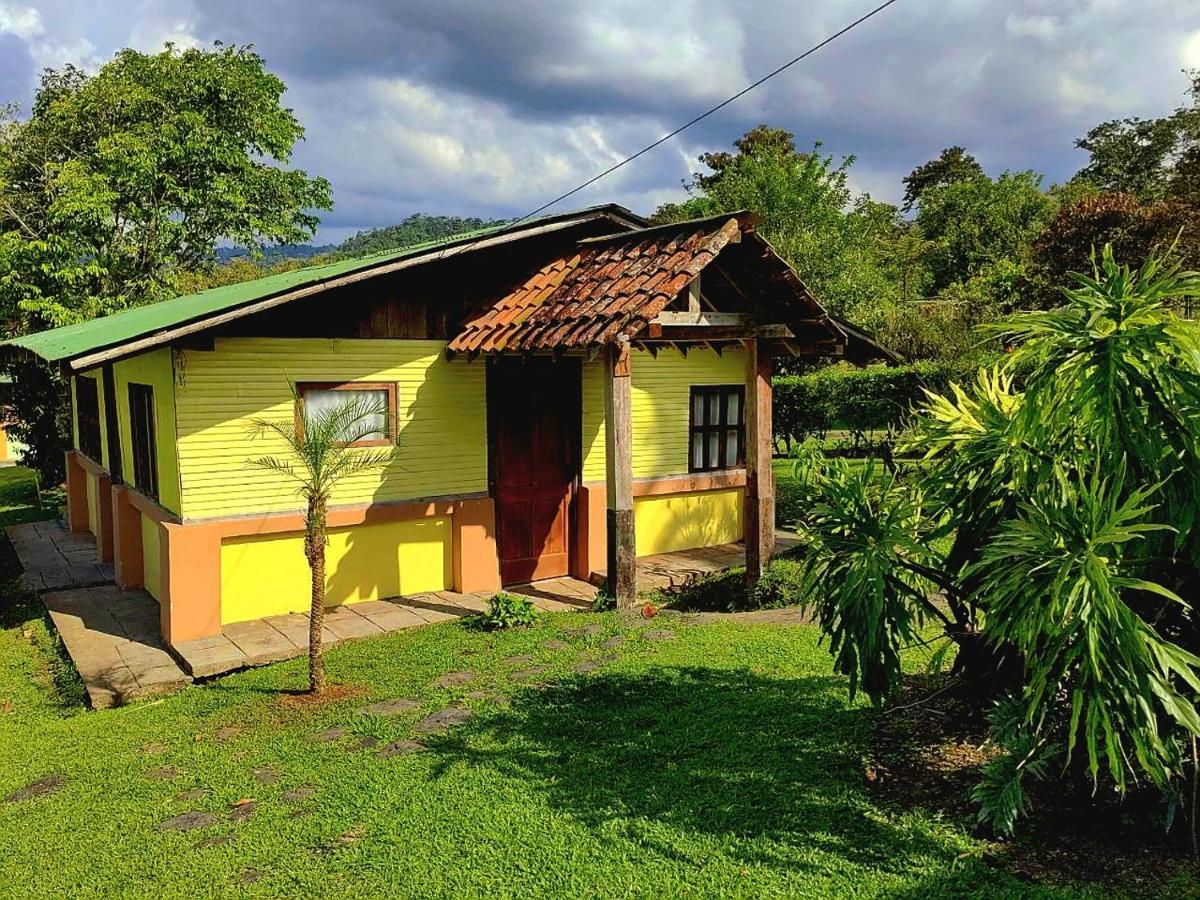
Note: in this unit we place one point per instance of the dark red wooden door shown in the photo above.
(534, 410)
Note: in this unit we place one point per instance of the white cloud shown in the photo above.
(477, 107)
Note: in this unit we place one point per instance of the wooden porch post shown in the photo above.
(618, 434)
(758, 518)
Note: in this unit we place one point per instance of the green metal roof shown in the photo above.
(70, 341)
(75, 340)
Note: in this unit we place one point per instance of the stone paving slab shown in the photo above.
(119, 654)
(676, 570)
(54, 559)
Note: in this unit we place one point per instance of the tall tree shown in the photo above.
(118, 181)
(1148, 158)
(806, 210)
(981, 222)
(952, 165)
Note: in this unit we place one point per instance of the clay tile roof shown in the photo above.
(607, 289)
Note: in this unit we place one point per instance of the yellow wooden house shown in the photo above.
(570, 393)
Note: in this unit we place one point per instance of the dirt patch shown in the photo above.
(333, 693)
(930, 747)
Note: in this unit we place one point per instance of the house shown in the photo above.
(570, 393)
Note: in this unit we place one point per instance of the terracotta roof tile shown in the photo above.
(605, 290)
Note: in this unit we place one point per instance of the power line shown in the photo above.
(704, 115)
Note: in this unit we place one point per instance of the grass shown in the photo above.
(724, 761)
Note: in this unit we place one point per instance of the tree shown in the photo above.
(1057, 523)
(415, 229)
(952, 165)
(120, 181)
(1133, 229)
(807, 211)
(321, 453)
(981, 222)
(1148, 158)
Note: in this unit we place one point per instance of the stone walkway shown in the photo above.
(114, 640)
(276, 638)
(53, 558)
(674, 571)
(113, 636)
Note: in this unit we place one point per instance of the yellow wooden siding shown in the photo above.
(155, 369)
(93, 502)
(151, 577)
(268, 575)
(683, 521)
(442, 427)
(661, 391)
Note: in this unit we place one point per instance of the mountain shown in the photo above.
(416, 229)
(272, 255)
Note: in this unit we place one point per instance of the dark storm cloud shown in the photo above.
(492, 108)
(16, 68)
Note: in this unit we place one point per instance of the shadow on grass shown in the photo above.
(730, 754)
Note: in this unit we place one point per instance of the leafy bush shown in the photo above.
(508, 611)
(780, 586)
(1057, 522)
(878, 398)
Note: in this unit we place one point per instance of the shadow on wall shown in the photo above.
(714, 752)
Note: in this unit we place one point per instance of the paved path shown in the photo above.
(674, 571)
(275, 638)
(113, 638)
(53, 558)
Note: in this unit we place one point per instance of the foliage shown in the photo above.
(320, 455)
(859, 400)
(952, 165)
(980, 222)
(122, 179)
(507, 611)
(236, 271)
(415, 229)
(806, 210)
(1132, 228)
(1057, 524)
(39, 405)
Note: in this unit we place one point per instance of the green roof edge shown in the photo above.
(68, 341)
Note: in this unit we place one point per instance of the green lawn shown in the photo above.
(723, 761)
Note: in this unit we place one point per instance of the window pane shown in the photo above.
(714, 446)
(320, 403)
(733, 404)
(714, 408)
(698, 407)
(731, 447)
(697, 450)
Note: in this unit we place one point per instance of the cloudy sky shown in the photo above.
(493, 108)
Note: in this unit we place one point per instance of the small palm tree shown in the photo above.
(322, 448)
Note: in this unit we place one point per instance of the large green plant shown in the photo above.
(1056, 525)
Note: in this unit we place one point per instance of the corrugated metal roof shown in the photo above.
(119, 328)
(606, 289)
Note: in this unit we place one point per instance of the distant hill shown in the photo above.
(416, 229)
(272, 255)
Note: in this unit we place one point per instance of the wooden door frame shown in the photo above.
(574, 423)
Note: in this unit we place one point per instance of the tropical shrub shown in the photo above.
(877, 398)
(508, 611)
(1048, 538)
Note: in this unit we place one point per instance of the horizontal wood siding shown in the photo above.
(155, 369)
(442, 427)
(661, 393)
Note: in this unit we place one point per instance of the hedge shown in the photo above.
(856, 400)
